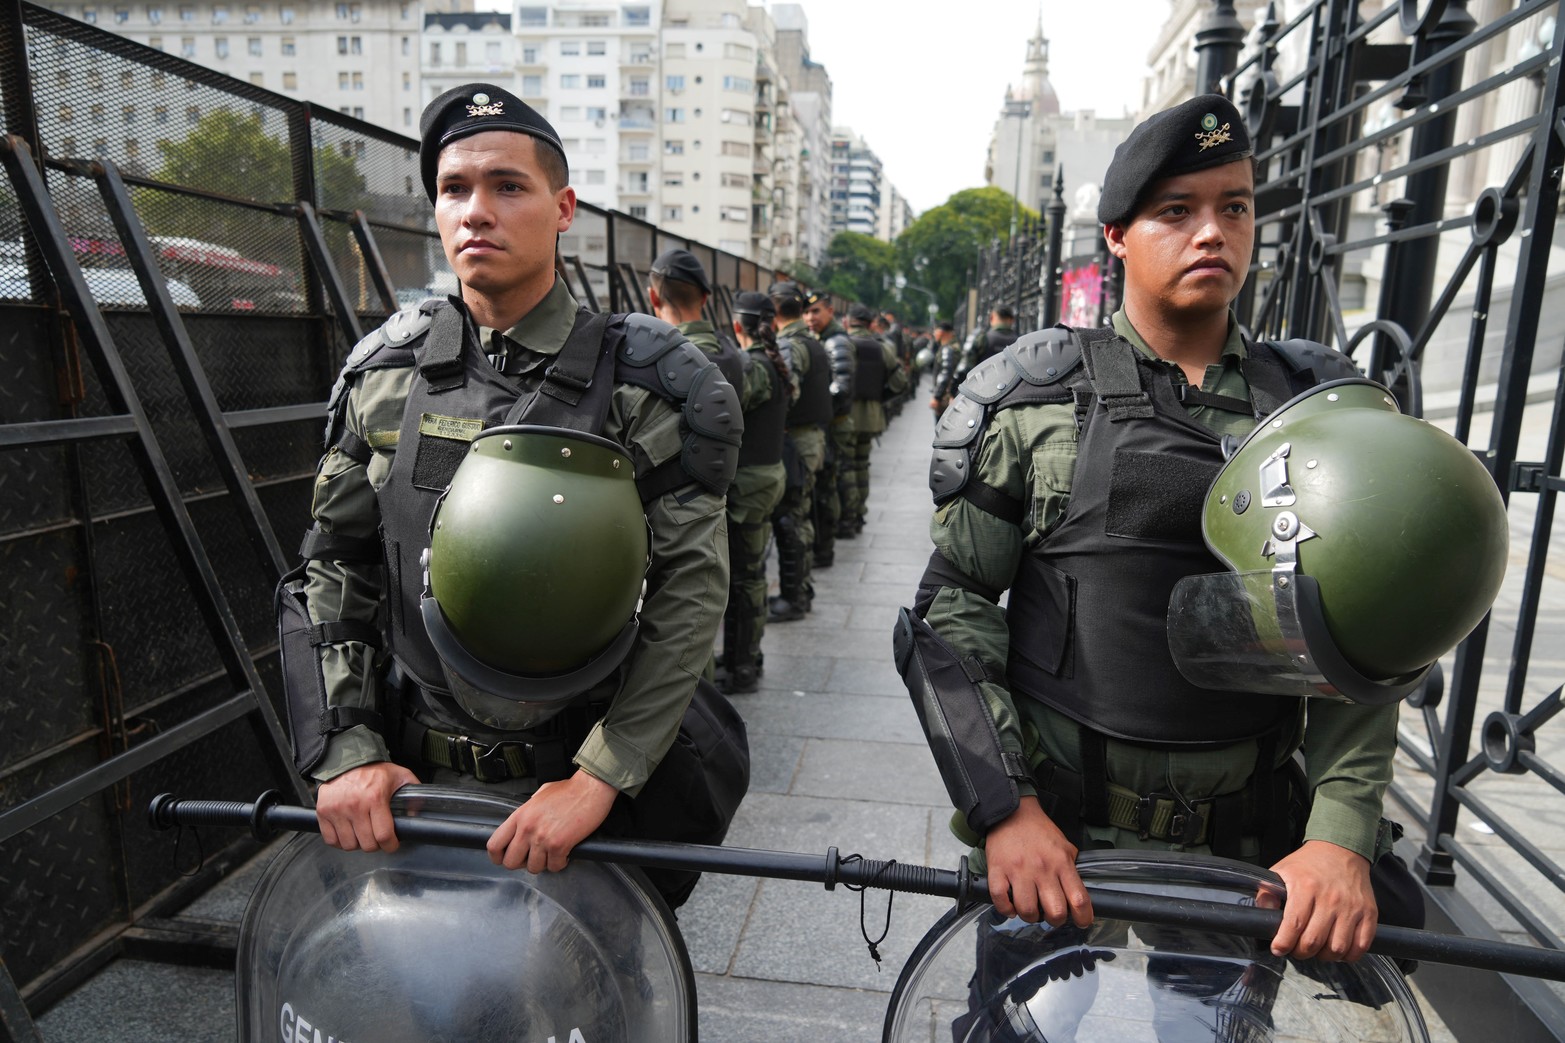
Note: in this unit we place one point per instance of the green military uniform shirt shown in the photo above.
(687, 578)
(1029, 452)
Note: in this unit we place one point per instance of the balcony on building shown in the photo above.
(637, 119)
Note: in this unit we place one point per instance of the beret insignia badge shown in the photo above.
(483, 107)
(1211, 135)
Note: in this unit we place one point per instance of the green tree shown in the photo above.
(860, 268)
(941, 246)
(230, 153)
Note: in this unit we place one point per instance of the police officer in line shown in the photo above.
(878, 378)
(804, 454)
(507, 427)
(678, 291)
(820, 315)
(1073, 470)
(947, 354)
(758, 487)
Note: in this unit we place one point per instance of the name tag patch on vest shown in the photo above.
(461, 429)
(442, 443)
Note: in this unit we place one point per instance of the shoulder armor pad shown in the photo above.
(1045, 356)
(1328, 363)
(960, 424)
(716, 423)
(647, 339)
(988, 381)
(956, 436)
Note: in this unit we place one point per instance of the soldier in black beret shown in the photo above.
(1079, 490)
(513, 347)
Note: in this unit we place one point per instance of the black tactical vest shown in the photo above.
(1088, 609)
(765, 425)
(994, 341)
(814, 404)
(869, 383)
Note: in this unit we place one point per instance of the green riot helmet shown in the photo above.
(537, 556)
(1364, 545)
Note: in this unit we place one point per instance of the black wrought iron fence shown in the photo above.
(1408, 196)
(185, 259)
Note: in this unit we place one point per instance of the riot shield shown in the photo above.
(977, 977)
(435, 943)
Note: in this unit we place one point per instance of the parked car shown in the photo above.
(110, 287)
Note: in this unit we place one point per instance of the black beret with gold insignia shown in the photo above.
(472, 109)
(1206, 131)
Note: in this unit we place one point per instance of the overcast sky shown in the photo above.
(922, 82)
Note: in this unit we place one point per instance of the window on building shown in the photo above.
(738, 83)
(532, 86)
(597, 113)
(736, 148)
(639, 212)
(155, 14)
(187, 12)
(673, 115)
(637, 16)
(406, 11)
(597, 47)
(342, 81)
(220, 46)
(155, 42)
(639, 87)
(252, 13)
(192, 114)
(160, 114)
(740, 51)
(570, 112)
(407, 116)
(285, 14)
(434, 52)
(253, 45)
(220, 14)
(673, 213)
(674, 50)
(407, 45)
(733, 213)
(532, 16)
(121, 15)
(290, 81)
(342, 45)
(592, 177)
(492, 52)
(594, 20)
(735, 181)
(639, 152)
(639, 56)
(407, 81)
(570, 81)
(356, 45)
(673, 180)
(530, 54)
(358, 114)
(673, 148)
(258, 79)
(358, 81)
(596, 81)
(90, 15)
(738, 116)
(289, 47)
(461, 55)
(570, 48)
(674, 83)
(342, 12)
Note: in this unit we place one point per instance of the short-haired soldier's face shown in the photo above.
(497, 214)
(1187, 248)
(818, 316)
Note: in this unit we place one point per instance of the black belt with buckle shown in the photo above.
(486, 761)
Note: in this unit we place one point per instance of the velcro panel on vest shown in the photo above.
(1157, 496)
(979, 775)
(441, 362)
(1112, 364)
